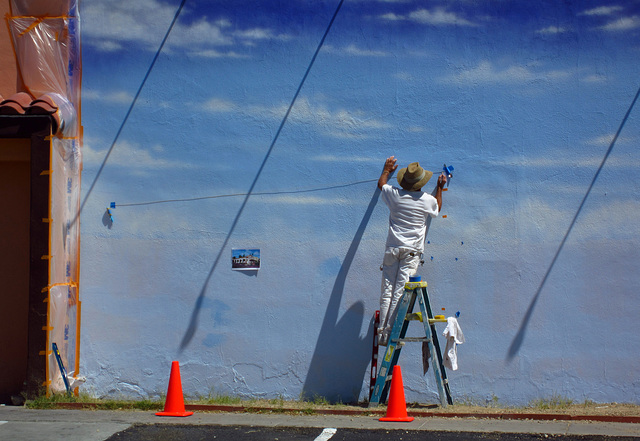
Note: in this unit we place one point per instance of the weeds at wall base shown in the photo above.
(542, 409)
(57, 401)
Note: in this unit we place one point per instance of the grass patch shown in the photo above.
(278, 402)
(44, 402)
(556, 402)
(221, 400)
(55, 400)
(320, 401)
(466, 401)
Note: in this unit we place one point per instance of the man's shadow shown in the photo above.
(341, 355)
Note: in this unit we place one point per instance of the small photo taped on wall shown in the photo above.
(245, 259)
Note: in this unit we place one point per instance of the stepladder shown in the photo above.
(414, 291)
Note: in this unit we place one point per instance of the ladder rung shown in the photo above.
(413, 339)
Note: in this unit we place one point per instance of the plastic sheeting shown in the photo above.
(46, 39)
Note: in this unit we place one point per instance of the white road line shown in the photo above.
(4, 422)
(326, 434)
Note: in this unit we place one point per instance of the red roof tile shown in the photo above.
(22, 103)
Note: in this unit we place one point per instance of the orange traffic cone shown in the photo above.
(174, 405)
(397, 407)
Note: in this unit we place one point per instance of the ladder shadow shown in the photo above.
(341, 355)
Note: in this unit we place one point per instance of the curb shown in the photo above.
(371, 412)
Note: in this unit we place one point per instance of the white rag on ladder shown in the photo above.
(453, 334)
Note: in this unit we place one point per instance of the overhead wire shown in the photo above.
(264, 193)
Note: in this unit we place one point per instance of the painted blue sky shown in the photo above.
(522, 98)
(502, 90)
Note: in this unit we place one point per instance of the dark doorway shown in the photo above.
(24, 239)
(14, 264)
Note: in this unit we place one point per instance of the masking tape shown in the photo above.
(31, 27)
(71, 284)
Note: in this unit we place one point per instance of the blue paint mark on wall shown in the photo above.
(212, 340)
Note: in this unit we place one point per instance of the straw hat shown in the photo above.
(413, 177)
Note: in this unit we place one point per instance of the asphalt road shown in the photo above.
(21, 424)
(166, 432)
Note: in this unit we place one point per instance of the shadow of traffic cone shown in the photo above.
(174, 405)
(397, 407)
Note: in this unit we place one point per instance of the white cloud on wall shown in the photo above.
(353, 50)
(602, 11)
(605, 140)
(117, 23)
(305, 200)
(560, 159)
(621, 226)
(217, 105)
(256, 34)
(594, 78)
(438, 17)
(130, 155)
(115, 97)
(340, 123)
(433, 17)
(485, 72)
(347, 159)
(214, 53)
(404, 76)
(537, 220)
(551, 30)
(622, 24)
(617, 21)
(337, 123)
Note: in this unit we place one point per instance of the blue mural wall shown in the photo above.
(260, 124)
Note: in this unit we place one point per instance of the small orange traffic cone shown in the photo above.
(397, 407)
(174, 405)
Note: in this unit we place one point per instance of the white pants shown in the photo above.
(398, 265)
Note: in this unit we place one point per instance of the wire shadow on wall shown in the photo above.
(514, 348)
(341, 355)
(193, 322)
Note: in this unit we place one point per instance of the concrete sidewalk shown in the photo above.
(19, 423)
